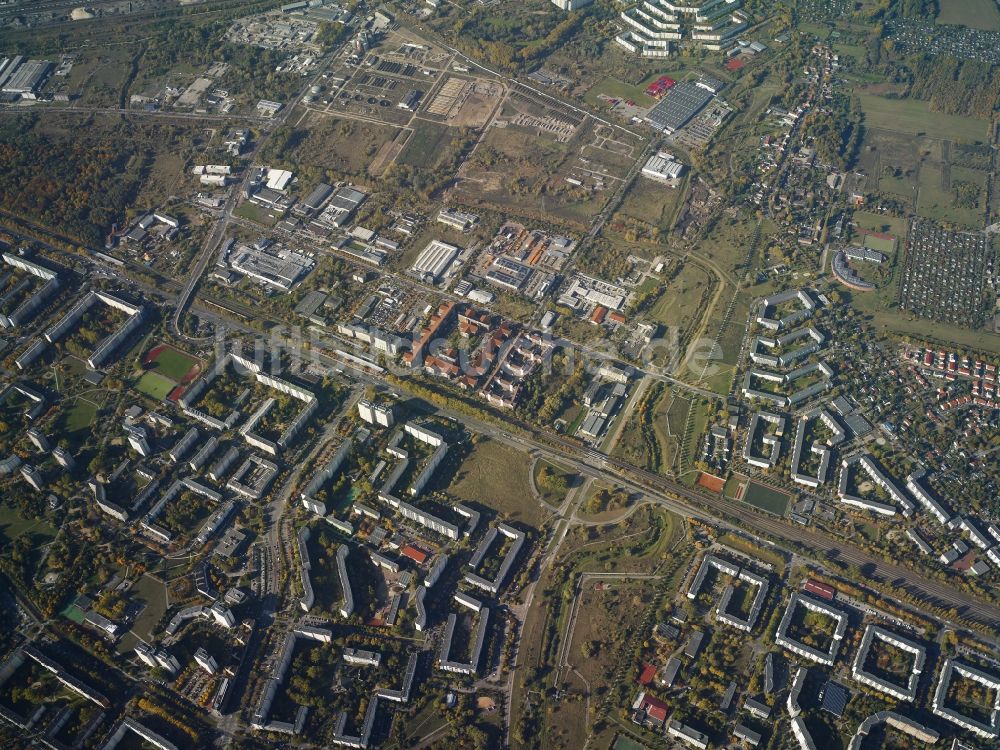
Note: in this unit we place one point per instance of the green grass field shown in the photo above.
(258, 214)
(154, 594)
(173, 364)
(154, 385)
(976, 14)
(766, 498)
(881, 223)
(626, 743)
(621, 90)
(14, 525)
(79, 416)
(914, 116)
(882, 245)
(733, 485)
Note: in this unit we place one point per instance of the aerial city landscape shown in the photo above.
(515, 374)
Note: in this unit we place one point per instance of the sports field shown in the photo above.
(711, 482)
(155, 385)
(914, 116)
(766, 498)
(883, 243)
(169, 370)
(172, 363)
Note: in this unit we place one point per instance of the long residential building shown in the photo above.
(868, 464)
(659, 28)
(471, 666)
(874, 634)
(494, 585)
(809, 652)
(991, 683)
(413, 513)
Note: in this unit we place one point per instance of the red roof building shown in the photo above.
(821, 590)
(660, 86)
(417, 555)
(656, 708)
(597, 317)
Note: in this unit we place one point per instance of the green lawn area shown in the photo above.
(257, 214)
(766, 498)
(914, 116)
(79, 416)
(626, 743)
(497, 476)
(549, 495)
(154, 594)
(154, 385)
(619, 89)
(903, 188)
(880, 223)
(732, 486)
(14, 525)
(976, 14)
(935, 201)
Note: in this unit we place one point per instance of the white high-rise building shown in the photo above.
(571, 4)
(206, 661)
(137, 439)
(656, 28)
(374, 413)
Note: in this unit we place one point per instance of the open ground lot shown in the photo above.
(976, 14)
(541, 158)
(653, 203)
(153, 595)
(345, 146)
(498, 476)
(595, 649)
(934, 178)
(915, 117)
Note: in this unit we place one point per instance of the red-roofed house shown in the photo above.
(647, 674)
(649, 711)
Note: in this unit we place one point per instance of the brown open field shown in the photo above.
(497, 476)
(612, 611)
(344, 146)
